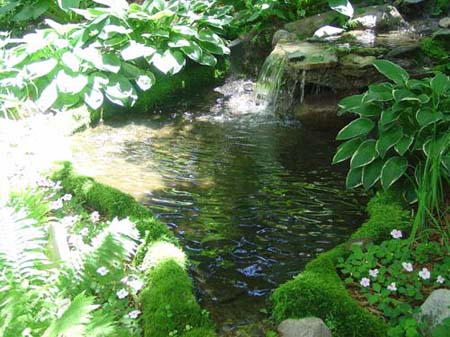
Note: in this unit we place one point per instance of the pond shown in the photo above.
(251, 197)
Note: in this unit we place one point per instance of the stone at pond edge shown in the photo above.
(305, 327)
(444, 23)
(380, 18)
(435, 309)
(328, 31)
(282, 35)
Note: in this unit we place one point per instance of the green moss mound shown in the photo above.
(319, 290)
(168, 304)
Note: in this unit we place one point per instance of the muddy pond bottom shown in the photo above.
(251, 198)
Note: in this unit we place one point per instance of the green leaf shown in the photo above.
(342, 6)
(109, 62)
(391, 71)
(388, 139)
(170, 62)
(440, 83)
(404, 144)
(145, 81)
(184, 30)
(381, 92)
(178, 42)
(346, 150)
(401, 95)
(365, 154)
(358, 127)
(350, 103)
(48, 97)
(354, 178)
(194, 52)
(93, 98)
(41, 68)
(70, 84)
(372, 173)
(120, 91)
(426, 116)
(391, 114)
(71, 61)
(136, 50)
(208, 60)
(68, 4)
(31, 12)
(392, 171)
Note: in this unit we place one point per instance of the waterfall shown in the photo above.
(269, 81)
(302, 88)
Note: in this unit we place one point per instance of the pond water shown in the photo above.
(251, 198)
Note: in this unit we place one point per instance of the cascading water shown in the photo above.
(269, 81)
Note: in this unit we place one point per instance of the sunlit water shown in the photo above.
(251, 198)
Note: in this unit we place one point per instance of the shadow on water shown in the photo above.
(251, 198)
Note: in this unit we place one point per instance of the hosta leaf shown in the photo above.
(342, 6)
(145, 81)
(130, 71)
(381, 92)
(391, 71)
(71, 61)
(48, 97)
(178, 42)
(388, 139)
(120, 91)
(194, 52)
(358, 127)
(405, 95)
(68, 4)
(346, 150)
(207, 35)
(136, 50)
(404, 144)
(351, 102)
(185, 30)
(393, 169)
(426, 116)
(440, 83)
(41, 68)
(109, 62)
(70, 84)
(171, 62)
(208, 60)
(365, 154)
(389, 115)
(372, 173)
(354, 178)
(93, 98)
(214, 48)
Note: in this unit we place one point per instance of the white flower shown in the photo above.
(67, 197)
(407, 266)
(396, 234)
(124, 280)
(122, 293)
(392, 287)
(84, 231)
(365, 282)
(136, 285)
(440, 279)
(102, 271)
(95, 216)
(57, 185)
(373, 272)
(56, 204)
(424, 274)
(68, 221)
(134, 314)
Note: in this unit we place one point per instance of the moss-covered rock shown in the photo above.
(319, 291)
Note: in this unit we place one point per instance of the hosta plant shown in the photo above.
(402, 130)
(113, 54)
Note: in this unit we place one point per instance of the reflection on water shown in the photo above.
(251, 198)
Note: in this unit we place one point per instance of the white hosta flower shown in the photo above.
(95, 216)
(396, 234)
(84, 231)
(122, 293)
(407, 266)
(136, 285)
(440, 279)
(365, 282)
(54, 205)
(424, 274)
(102, 271)
(67, 197)
(392, 287)
(373, 272)
(134, 314)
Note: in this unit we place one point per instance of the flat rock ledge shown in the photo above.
(305, 327)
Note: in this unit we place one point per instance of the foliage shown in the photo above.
(399, 126)
(66, 273)
(394, 279)
(438, 50)
(110, 54)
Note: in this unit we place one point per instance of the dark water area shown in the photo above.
(252, 198)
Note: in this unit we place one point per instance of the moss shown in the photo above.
(200, 332)
(169, 305)
(319, 290)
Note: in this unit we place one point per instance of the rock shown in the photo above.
(441, 34)
(403, 51)
(306, 27)
(354, 61)
(306, 56)
(412, 2)
(282, 35)
(328, 31)
(306, 327)
(380, 18)
(435, 309)
(444, 23)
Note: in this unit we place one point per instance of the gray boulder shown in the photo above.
(435, 309)
(379, 18)
(305, 327)
(328, 31)
(444, 22)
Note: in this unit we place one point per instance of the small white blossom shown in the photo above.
(68, 221)
(95, 216)
(392, 287)
(84, 231)
(134, 314)
(373, 272)
(57, 185)
(102, 271)
(124, 280)
(396, 234)
(365, 282)
(440, 279)
(67, 197)
(407, 266)
(136, 285)
(56, 204)
(424, 274)
(122, 293)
